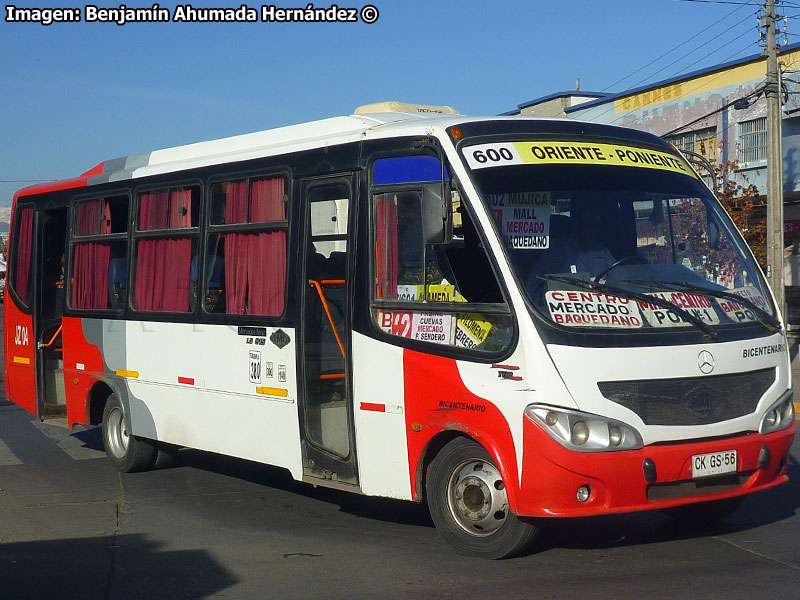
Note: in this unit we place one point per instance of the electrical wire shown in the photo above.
(693, 37)
(754, 94)
(687, 92)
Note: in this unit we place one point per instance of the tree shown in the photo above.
(741, 199)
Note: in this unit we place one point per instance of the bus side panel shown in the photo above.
(20, 356)
(380, 424)
(83, 364)
(438, 400)
(212, 387)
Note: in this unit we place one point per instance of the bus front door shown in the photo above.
(326, 408)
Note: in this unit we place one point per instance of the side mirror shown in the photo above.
(437, 214)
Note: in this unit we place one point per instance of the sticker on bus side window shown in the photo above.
(431, 293)
(471, 331)
(523, 218)
(425, 327)
(502, 154)
(696, 304)
(592, 309)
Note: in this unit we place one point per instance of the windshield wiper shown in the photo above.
(762, 316)
(596, 286)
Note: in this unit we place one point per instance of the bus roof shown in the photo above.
(292, 138)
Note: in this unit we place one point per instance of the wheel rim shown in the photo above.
(116, 433)
(476, 497)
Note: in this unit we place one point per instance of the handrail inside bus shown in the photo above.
(52, 339)
(318, 286)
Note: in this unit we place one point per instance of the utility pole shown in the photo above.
(774, 163)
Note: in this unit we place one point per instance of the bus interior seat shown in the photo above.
(117, 276)
(215, 266)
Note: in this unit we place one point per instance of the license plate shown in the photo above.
(714, 463)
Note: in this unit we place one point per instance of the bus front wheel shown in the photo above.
(126, 452)
(468, 503)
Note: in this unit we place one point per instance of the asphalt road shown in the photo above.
(212, 527)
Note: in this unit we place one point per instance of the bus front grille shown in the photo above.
(691, 400)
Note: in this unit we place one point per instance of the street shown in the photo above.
(207, 526)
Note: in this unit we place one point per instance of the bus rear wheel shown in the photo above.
(468, 503)
(126, 452)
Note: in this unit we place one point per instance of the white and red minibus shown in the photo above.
(508, 318)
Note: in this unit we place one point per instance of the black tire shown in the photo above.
(126, 452)
(469, 506)
(703, 514)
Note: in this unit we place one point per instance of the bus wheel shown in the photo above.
(126, 452)
(469, 504)
(704, 513)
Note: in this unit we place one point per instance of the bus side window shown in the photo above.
(99, 237)
(22, 253)
(246, 269)
(166, 242)
(434, 278)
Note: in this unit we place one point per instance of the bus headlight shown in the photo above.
(779, 415)
(584, 432)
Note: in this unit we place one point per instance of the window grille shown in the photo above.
(753, 140)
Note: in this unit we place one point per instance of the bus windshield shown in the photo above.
(608, 236)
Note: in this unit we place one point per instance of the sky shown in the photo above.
(75, 94)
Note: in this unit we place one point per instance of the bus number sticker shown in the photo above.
(21, 335)
(492, 155)
(592, 309)
(269, 370)
(282, 373)
(523, 218)
(255, 367)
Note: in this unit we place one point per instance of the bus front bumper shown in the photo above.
(618, 481)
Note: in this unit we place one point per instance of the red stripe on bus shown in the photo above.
(186, 380)
(375, 407)
(64, 184)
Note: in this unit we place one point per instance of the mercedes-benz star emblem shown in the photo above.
(705, 361)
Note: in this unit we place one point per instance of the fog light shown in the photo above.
(583, 493)
(580, 433)
(614, 435)
(551, 418)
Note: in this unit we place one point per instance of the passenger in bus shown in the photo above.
(580, 252)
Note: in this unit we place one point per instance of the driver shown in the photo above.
(581, 251)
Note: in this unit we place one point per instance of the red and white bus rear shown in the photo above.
(508, 318)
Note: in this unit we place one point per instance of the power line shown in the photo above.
(693, 37)
(686, 92)
(26, 180)
(716, 2)
(754, 94)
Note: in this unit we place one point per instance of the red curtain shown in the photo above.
(386, 247)
(90, 276)
(163, 275)
(93, 217)
(266, 200)
(153, 211)
(180, 209)
(255, 263)
(90, 262)
(267, 272)
(22, 270)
